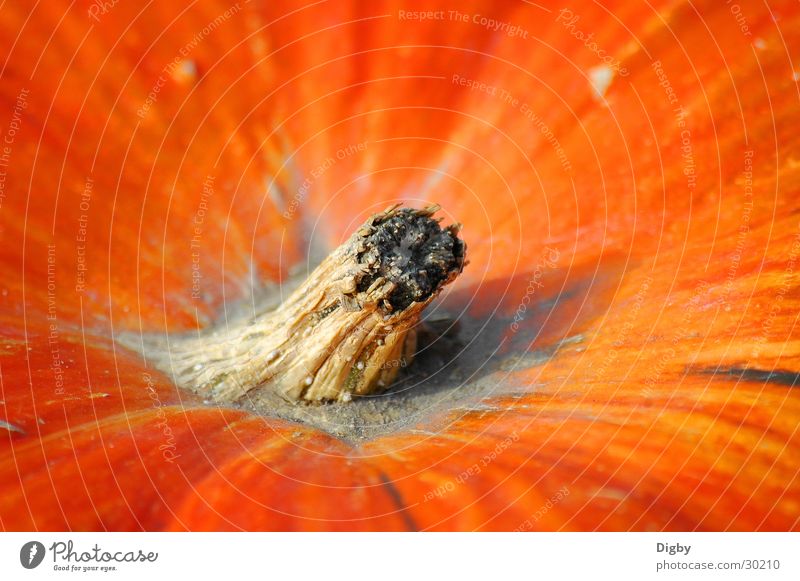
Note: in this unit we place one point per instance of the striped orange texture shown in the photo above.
(161, 160)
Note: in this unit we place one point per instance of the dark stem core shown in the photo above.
(411, 250)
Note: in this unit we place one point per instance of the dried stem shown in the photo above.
(346, 331)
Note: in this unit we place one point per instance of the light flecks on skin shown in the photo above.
(601, 78)
(11, 427)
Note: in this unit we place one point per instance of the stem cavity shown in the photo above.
(346, 331)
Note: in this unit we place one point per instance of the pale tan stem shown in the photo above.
(330, 340)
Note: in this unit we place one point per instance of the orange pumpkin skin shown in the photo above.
(668, 398)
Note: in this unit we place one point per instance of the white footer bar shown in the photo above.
(402, 556)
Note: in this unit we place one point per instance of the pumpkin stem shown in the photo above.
(345, 331)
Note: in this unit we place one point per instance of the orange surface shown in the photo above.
(672, 201)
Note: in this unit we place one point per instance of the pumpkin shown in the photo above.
(627, 179)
